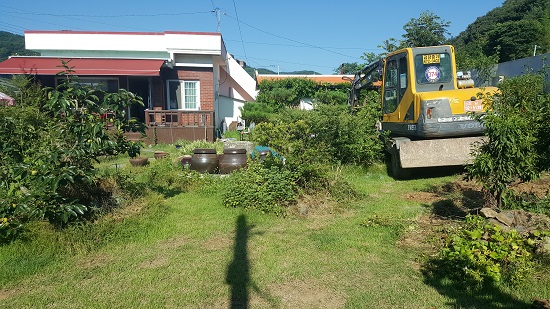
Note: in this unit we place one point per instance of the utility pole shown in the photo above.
(217, 11)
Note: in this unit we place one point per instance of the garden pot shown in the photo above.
(232, 159)
(185, 161)
(160, 154)
(204, 160)
(139, 161)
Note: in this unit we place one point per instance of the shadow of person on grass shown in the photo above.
(238, 272)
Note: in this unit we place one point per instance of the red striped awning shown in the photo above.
(81, 66)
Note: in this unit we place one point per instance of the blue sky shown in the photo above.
(278, 35)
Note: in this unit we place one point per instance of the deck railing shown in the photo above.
(179, 118)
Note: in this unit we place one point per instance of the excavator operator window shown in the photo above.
(433, 68)
(390, 87)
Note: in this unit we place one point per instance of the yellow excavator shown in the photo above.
(427, 107)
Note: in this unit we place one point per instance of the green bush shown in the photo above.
(331, 97)
(480, 253)
(258, 112)
(263, 186)
(518, 147)
(49, 148)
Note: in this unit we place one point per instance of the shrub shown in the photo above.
(264, 186)
(331, 97)
(517, 147)
(480, 253)
(49, 147)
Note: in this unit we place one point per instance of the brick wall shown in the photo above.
(206, 78)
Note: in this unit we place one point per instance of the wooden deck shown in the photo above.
(169, 126)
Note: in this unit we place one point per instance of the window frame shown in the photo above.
(90, 82)
(181, 98)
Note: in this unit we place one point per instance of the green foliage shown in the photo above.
(515, 149)
(480, 253)
(134, 149)
(265, 186)
(527, 201)
(472, 57)
(25, 90)
(49, 148)
(427, 30)
(348, 68)
(330, 133)
(508, 32)
(12, 45)
(258, 112)
(285, 92)
(331, 97)
(514, 39)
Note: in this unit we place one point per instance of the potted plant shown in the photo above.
(134, 150)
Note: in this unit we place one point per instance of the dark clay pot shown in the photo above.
(232, 159)
(160, 154)
(186, 160)
(139, 161)
(204, 160)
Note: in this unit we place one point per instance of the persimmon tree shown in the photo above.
(517, 148)
(48, 152)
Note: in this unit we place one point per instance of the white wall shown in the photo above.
(204, 43)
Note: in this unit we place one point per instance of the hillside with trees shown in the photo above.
(13, 44)
(508, 32)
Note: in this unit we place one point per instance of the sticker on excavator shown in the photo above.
(431, 58)
(432, 74)
(473, 106)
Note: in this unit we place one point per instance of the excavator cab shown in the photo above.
(426, 108)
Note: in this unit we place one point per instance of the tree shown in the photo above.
(49, 147)
(428, 30)
(515, 39)
(348, 68)
(391, 45)
(517, 147)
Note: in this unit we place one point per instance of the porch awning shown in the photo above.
(81, 66)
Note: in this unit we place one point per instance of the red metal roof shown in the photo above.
(332, 79)
(81, 66)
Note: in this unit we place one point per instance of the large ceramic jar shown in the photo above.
(232, 159)
(204, 160)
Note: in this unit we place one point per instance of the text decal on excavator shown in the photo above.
(473, 106)
(431, 58)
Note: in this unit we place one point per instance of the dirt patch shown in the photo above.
(302, 294)
(451, 202)
(540, 188)
(156, 262)
(422, 197)
(95, 261)
(314, 205)
(172, 243)
(217, 243)
(425, 236)
(5, 294)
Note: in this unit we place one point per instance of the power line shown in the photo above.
(240, 32)
(289, 62)
(26, 12)
(302, 46)
(291, 40)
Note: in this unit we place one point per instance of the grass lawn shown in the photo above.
(189, 251)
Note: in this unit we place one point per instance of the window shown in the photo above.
(391, 84)
(183, 95)
(433, 68)
(105, 84)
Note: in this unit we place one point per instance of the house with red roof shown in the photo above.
(189, 83)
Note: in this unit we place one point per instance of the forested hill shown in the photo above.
(13, 44)
(511, 30)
